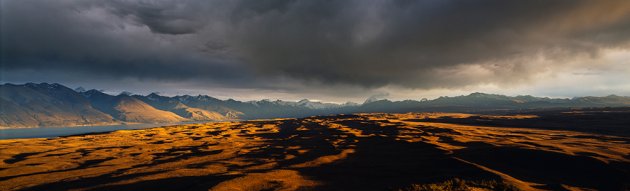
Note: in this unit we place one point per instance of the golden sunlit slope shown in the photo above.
(133, 110)
(346, 152)
(197, 114)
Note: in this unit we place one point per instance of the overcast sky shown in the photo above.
(337, 51)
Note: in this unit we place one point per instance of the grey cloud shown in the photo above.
(364, 43)
(166, 17)
(373, 43)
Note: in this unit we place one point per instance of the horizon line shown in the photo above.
(130, 93)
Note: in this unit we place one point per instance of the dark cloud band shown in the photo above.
(416, 44)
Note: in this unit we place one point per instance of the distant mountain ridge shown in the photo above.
(44, 105)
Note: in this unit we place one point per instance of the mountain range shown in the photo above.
(50, 105)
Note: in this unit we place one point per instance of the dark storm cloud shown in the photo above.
(108, 39)
(367, 43)
(426, 43)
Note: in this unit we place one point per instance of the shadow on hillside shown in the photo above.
(600, 122)
(550, 168)
(385, 164)
(167, 184)
(379, 162)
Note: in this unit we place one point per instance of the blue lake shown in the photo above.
(47, 132)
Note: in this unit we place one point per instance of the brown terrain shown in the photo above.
(133, 110)
(414, 151)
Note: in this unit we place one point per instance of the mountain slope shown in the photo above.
(197, 114)
(481, 102)
(37, 105)
(231, 109)
(33, 105)
(176, 106)
(130, 109)
(13, 115)
(133, 110)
